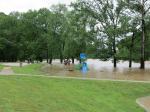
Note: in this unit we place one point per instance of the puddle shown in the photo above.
(102, 70)
(7, 71)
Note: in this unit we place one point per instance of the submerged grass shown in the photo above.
(33, 69)
(39, 94)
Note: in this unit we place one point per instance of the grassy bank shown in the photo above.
(39, 94)
(33, 69)
(1, 67)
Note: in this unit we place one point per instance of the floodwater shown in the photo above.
(17, 64)
(102, 70)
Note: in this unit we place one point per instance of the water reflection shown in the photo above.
(102, 70)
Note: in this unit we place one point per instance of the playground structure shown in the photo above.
(84, 67)
(68, 65)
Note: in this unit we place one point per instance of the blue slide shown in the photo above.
(84, 68)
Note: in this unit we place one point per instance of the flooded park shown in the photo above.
(101, 70)
(75, 56)
(96, 69)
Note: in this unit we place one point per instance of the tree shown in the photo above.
(56, 31)
(141, 7)
(42, 42)
(128, 44)
(110, 20)
(8, 37)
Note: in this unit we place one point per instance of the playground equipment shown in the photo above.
(68, 66)
(84, 67)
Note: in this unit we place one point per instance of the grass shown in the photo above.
(1, 67)
(39, 94)
(33, 69)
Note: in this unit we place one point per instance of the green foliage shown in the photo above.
(110, 22)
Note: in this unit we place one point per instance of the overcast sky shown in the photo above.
(8, 6)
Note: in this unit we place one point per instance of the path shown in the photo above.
(7, 71)
(144, 103)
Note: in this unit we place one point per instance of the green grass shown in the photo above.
(1, 67)
(33, 69)
(39, 94)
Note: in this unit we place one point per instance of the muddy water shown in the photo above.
(102, 70)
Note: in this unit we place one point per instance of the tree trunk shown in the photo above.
(114, 53)
(80, 61)
(131, 50)
(115, 62)
(50, 60)
(20, 63)
(143, 40)
(61, 59)
(72, 60)
(47, 56)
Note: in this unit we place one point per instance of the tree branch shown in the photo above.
(147, 10)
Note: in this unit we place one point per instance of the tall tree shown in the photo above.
(42, 42)
(141, 7)
(110, 19)
(56, 31)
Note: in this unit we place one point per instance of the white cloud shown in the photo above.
(8, 6)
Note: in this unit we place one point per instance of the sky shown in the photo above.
(8, 6)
